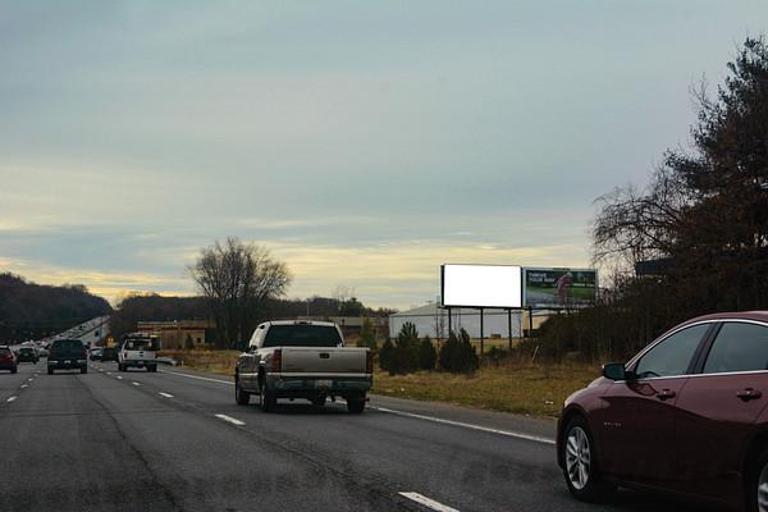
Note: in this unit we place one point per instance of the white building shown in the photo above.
(432, 320)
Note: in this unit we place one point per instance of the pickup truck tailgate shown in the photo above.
(323, 360)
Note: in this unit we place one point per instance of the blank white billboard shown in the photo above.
(482, 286)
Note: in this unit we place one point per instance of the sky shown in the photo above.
(363, 143)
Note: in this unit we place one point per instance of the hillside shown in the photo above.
(30, 310)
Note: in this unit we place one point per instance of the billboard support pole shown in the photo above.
(482, 333)
(530, 321)
(509, 328)
(450, 325)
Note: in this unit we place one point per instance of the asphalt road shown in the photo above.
(177, 441)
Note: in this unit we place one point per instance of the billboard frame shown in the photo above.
(475, 306)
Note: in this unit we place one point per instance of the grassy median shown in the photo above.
(512, 386)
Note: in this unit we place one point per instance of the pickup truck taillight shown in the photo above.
(277, 360)
(369, 362)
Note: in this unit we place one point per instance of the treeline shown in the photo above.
(698, 232)
(152, 307)
(34, 311)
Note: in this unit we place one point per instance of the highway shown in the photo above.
(176, 441)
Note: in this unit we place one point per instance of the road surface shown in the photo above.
(175, 441)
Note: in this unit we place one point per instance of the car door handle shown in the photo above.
(749, 394)
(666, 394)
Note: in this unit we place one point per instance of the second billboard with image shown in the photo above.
(559, 287)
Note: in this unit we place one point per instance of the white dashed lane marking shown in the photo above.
(230, 419)
(427, 502)
(166, 395)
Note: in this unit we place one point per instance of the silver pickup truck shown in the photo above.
(301, 359)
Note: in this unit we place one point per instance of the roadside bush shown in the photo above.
(495, 355)
(407, 349)
(387, 357)
(458, 355)
(427, 354)
(367, 336)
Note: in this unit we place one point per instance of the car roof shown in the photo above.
(756, 316)
(301, 322)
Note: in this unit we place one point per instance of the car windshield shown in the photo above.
(302, 336)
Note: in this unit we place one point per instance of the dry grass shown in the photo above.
(518, 387)
(521, 388)
(214, 361)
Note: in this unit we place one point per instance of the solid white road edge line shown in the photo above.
(11, 399)
(230, 419)
(516, 435)
(427, 502)
(166, 395)
(198, 378)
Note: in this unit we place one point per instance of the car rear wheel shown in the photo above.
(758, 494)
(50, 371)
(14, 369)
(267, 400)
(580, 463)
(241, 397)
(356, 405)
(83, 370)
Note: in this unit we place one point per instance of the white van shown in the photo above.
(138, 350)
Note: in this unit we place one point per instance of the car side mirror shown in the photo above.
(614, 371)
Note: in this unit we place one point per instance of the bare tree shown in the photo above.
(237, 279)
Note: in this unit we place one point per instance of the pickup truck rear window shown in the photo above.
(302, 336)
(138, 344)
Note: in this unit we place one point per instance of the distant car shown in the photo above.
(67, 355)
(138, 351)
(27, 355)
(688, 414)
(108, 354)
(96, 353)
(8, 359)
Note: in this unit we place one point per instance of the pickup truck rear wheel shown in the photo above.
(267, 400)
(356, 405)
(241, 397)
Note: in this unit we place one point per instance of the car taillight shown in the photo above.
(277, 360)
(369, 362)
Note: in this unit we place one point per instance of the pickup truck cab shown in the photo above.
(137, 350)
(301, 359)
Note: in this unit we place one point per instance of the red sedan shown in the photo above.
(687, 414)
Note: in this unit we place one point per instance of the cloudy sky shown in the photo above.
(364, 143)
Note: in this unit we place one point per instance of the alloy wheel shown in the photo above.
(762, 490)
(578, 459)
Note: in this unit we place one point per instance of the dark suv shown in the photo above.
(688, 414)
(67, 355)
(27, 355)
